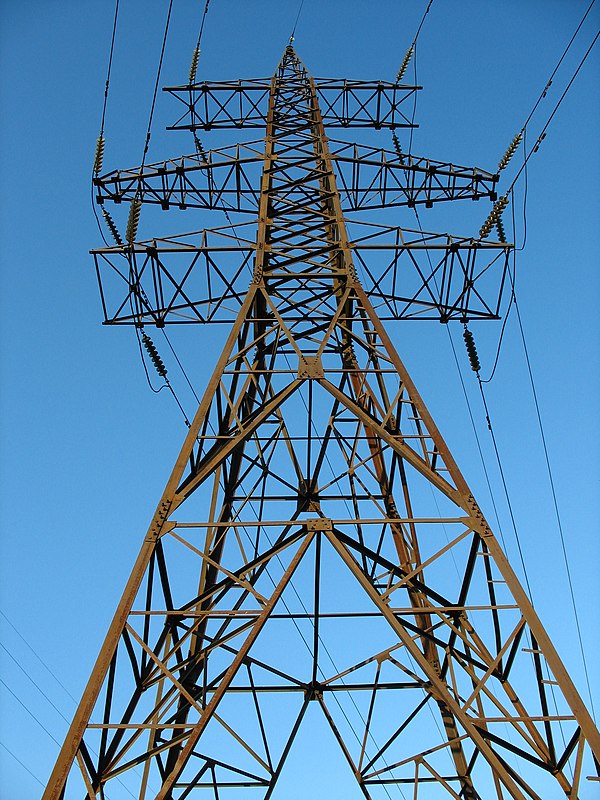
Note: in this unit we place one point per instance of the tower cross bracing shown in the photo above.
(316, 545)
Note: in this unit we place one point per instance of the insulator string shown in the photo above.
(405, 63)
(471, 349)
(154, 356)
(112, 227)
(510, 151)
(133, 220)
(493, 217)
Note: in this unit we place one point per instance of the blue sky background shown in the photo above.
(87, 448)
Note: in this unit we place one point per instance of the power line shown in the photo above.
(42, 662)
(422, 22)
(556, 508)
(157, 83)
(296, 22)
(513, 301)
(28, 676)
(202, 24)
(521, 135)
(25, 767)
(542, 134)
(556, 68)
(505, 486)
(43, 727)
(108, 71)
(31, 714)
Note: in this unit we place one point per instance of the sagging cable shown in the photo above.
(494, 216)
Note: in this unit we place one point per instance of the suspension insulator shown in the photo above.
(500, 229)
(494, 216)
(512, 149)
(133, 220)
(112, 227)
(99, 155)
(471, 350)
(199, 149)
(153, 353)
(405, 63)
(398, 148)
(194, 65)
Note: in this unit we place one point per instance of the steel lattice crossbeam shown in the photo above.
(226, 179)
(316, 547)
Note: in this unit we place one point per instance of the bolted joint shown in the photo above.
(310, 367)
(313, 691)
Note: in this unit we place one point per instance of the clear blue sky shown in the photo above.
(86, 447)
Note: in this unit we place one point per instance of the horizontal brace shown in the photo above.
(353, 522)
(215, 614)
(150, 249)
(264, 85)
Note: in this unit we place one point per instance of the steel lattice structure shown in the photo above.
(316, 542)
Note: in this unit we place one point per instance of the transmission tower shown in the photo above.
(316, 545)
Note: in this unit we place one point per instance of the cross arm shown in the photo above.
(216, 179)
(227, 178)
(411, 274)
(370, 177)
(236, 104)
(204, 277)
